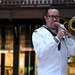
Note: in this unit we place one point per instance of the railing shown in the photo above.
(35, 2)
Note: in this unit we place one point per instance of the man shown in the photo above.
(52, 45)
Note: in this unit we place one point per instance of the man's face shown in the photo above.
(52, 16)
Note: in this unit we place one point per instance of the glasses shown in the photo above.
(51, 16)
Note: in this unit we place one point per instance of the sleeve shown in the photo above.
(43, 49)
(70, 43)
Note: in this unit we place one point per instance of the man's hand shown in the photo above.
(61, 31)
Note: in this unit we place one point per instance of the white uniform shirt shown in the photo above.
(50, 60)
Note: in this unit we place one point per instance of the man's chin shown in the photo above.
(54, 28)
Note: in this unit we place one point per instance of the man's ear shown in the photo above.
(45, 17)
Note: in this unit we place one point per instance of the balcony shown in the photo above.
(37, 3)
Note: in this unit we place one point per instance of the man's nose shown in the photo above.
(54, 18)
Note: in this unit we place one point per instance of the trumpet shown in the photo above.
(70, 27)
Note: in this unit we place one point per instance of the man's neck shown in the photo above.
(55, 31)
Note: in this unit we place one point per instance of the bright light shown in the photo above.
(4, 51)
(11, 51)
(0, 1)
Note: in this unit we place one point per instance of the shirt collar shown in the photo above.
(55, 31)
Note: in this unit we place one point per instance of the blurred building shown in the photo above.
(18, 19)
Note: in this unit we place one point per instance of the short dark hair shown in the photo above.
(46, 12)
